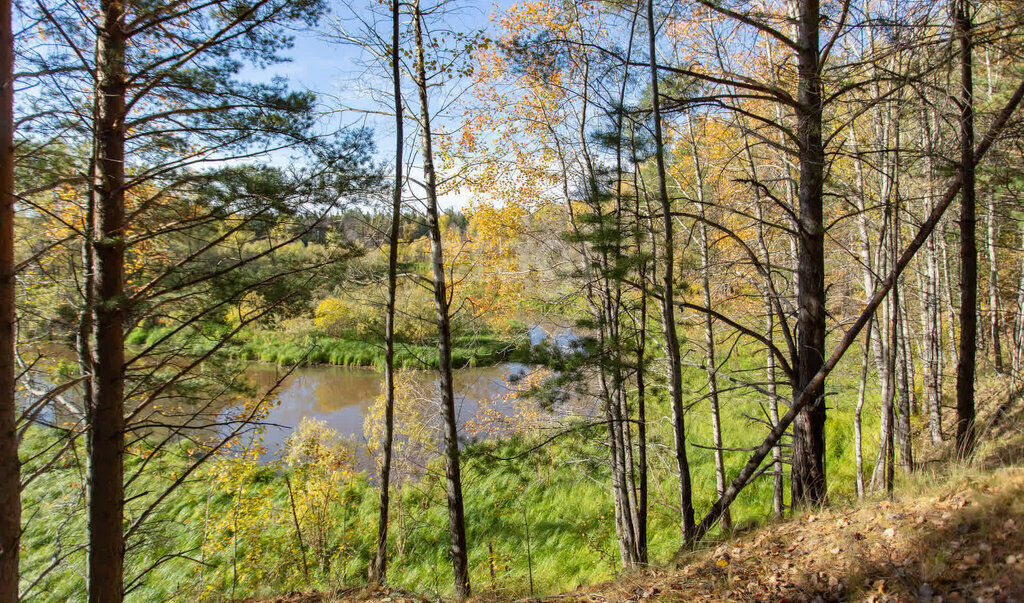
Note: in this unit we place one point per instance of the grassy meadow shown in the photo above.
(231, 532)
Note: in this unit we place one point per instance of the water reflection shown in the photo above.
(343, 396)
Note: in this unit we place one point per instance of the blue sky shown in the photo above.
(344, 77)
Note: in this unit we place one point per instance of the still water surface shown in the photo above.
(342, 396)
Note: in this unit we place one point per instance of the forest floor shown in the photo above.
(952, 533)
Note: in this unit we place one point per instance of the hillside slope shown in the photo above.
(949, 534)
(963, 542)
(960, 541)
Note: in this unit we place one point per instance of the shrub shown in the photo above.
(337, 317)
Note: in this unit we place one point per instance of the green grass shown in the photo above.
(559, 493)
(289, 348)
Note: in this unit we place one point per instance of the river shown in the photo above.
(342, 396)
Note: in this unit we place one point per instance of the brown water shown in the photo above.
(342, 396)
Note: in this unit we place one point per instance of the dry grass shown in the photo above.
(952, 532)
(963, 542)
(960, 540)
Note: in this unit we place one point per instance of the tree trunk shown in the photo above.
(899, 343)
(668, 301)
(965, 431)
(710, 369)
(869, 262)
(641, 368)
(641, 428)
(106, 434)
(858, 446)
(10, 468)
(884, 472)
(378, 567)
(1016, 359)
(993, 285)
(909, 361)
(930, 314)
(808, 466)
(456, 513)
(778, 492)
(948, 298)
(801, 401)
(900, 335)
(710, 361)
(613, 288)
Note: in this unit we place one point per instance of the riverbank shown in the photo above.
(235, 515)
(313, 348)
(941, 538)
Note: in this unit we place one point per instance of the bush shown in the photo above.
(337, 317)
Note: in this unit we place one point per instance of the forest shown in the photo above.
(583, 300)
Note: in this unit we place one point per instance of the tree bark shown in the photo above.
(667, 300)
(965, 430)
(778, 488)
(641, 428)
(802, 400)
(808, 484)
(710, 361)
(931, 309)
(993, 286)
(613, 312)
(641, 368)
(858, 446)
(1018, 319)
(899, 340)
(378, 567)
(778, 491)
(456, 513)
(106, 434)
(10, 468)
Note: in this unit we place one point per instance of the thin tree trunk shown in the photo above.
(10, 468)
(1018, 319)
(641, 429)
(857, 425)
(778, 492)
(641, 387)
(711, 365)
(668, 300)
(993, 285)
(965, 431)
(807, 481)
(888, 462)
(930, 315)
(623, 523)
(614, 407)
(456, 512)
(948, 297)
(627, 446)
(906, 332)
(899, 335)
(884, 472)
(378, 568)
(868, 260)
(106, 434)
(801, 401)
(614, 295)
